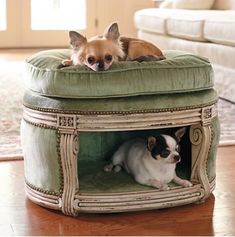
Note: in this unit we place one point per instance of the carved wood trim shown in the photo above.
(141, 200)
(68, 153)
(68, 145)
(200, 138)
(116, 122)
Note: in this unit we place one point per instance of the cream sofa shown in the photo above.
(209, 33)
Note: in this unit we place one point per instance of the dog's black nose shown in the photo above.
(100, 65)
(177, 158)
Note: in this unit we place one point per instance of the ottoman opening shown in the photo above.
(97, 148)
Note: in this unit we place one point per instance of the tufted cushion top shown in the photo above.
(179, 72)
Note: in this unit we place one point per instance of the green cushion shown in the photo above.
(180, 72)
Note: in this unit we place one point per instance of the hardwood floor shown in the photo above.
(19, 216)
(17, 54)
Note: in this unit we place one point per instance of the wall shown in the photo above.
(121, 11)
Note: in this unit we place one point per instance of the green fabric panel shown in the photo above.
(180, 72)
(130, 104)
(101, 145)
(98, 145)
(211, 164)
(41, 162)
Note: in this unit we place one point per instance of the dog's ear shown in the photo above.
(151, 143)
(180, 133)
(76, 39)
(112, 32)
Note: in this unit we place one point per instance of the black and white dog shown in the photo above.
(151, 163)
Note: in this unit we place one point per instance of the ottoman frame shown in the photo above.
(68, 126)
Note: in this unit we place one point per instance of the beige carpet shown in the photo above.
(12, 89)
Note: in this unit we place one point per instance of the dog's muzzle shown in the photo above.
(100, 65)
(177, 158)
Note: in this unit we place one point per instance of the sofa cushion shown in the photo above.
(186, 24)
(151, 20)
(179, 72)
(166, 4)
(221, 28)
(188, 4)
(193, 4)
(202, 25)
(224, 4)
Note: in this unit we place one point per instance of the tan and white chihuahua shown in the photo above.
(98, 53)
(151, 163)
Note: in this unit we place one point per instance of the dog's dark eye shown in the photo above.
(165, 153)
(108, 57)
(91, 60)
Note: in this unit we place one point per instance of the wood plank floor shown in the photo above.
(19, 216)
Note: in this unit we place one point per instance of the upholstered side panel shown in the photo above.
(121, 105)
(211, 164)
(41, 161)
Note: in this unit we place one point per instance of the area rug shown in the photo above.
(226, 111)
(12, 90)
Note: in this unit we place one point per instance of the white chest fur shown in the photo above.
(158, 169)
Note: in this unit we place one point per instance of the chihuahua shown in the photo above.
(98, 53)
(151, 163)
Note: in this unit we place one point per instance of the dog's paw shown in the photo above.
(67, 62)
(164, 187)
(117, 168)
(186, 183)
(108, 168)
(158, 184)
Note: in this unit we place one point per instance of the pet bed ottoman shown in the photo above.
(74, 119)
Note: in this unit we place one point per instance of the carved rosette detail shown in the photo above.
(208, 113)
(66, 121)
(75, 145)
(196, 136)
